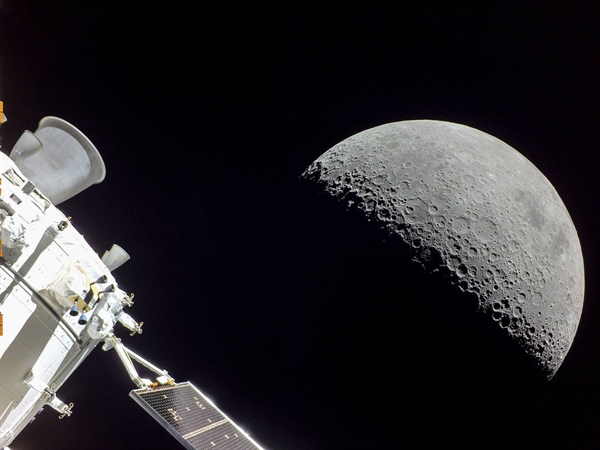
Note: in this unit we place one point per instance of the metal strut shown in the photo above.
(126, 355)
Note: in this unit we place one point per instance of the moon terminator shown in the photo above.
(496, 224)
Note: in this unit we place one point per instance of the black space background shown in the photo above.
(294, 319)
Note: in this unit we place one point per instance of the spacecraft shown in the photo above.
(59, 299)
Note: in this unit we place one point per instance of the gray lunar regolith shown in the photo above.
(498, 224)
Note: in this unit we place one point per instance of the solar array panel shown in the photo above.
(191, 418)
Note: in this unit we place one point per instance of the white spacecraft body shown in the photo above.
(59, 299)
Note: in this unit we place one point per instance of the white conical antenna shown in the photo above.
(115, 257)
(59, 159)
(27, 145)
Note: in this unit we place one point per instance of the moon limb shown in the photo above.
(500, 227)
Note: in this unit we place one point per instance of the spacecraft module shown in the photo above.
(59, 299)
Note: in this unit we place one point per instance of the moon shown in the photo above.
(470, 206)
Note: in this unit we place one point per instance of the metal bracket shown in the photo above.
(50, 391)
(60, 406)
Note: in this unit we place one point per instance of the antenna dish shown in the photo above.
(59, 159)
(115, 257)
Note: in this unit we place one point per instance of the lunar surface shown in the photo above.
(472, 207)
